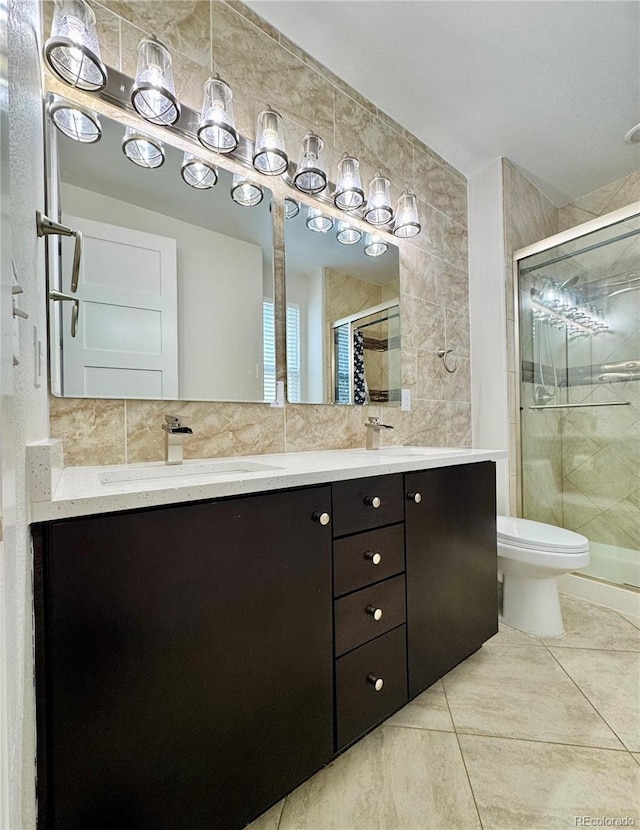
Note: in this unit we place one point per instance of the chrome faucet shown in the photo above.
(374, 430)
(174, 432)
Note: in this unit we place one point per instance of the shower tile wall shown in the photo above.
(263, 66)
(611, 197)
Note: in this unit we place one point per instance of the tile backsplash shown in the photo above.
(263, 66)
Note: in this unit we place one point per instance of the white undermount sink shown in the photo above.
(179, 471)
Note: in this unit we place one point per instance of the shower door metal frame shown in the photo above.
(569, 235)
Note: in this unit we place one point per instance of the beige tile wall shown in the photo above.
(606, 199)
(264, 67)
(528, 217)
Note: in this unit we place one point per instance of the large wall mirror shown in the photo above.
(176, 284)
(343, 314)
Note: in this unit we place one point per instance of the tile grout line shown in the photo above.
(602, 718)
(281, 812)
(622, 617)
(464, 763)
(547, 743)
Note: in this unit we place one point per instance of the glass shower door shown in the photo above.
(579, 306)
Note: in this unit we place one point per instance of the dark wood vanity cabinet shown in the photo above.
(196, 662)
(452, 600)
(185, 662)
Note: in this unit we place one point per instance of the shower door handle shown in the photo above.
(47, 227)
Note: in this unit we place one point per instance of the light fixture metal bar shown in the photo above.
(117, 93)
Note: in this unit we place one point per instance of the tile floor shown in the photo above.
(527, 734)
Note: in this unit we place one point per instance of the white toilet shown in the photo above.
(531, 555)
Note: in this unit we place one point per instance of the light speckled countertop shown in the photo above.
(82, 491)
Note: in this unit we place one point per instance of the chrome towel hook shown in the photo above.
(443, 354)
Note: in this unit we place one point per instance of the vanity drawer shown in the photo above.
(358, 705)
(367, 557)
(365, 503)
(355, 614)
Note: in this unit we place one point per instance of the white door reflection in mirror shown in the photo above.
(218, 347)
(127, 341)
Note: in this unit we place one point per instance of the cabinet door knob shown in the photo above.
(323, 518)
(417, 497)
(376, 682)
(374, 558)
(373, 501)
(376, 613)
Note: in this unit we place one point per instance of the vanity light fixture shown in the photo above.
(198, 173)
(407, 222)
(269, 156)
(74, 122)
(318, 221)
(374, 246)
(142, 149)
(291, 208)
(153, 94)
(217, 129)
(379, 205)
(73, 51)
(347, 234)
(349, 194)
(311, 177)
(244, 192)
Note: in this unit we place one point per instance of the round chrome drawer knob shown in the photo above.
(323, 518)
(376, 682)
(374, 558)
(417, 497)
(373, 501)
(376, 613)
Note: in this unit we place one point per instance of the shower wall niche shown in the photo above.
(579, 321)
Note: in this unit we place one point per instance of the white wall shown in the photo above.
(23, 414)
(220, 293)
(487, 311)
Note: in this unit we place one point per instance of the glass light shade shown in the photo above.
(310, 176)
(245, 192)
(348, 235)
(197, 173)
(318, 221)
(349, 194)
(379, 205)
(76, 123)
(142, 150)
(407, 221)
(291, 208)
(153, 94)
(73, 51)
(269, 155)
(374, 246)
(217, 130)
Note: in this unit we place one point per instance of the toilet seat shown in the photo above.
(526, 534)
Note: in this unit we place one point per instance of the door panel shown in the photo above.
(189, 665)
(452, 605)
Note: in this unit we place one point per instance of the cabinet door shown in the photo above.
(188, 663)
(451, 556)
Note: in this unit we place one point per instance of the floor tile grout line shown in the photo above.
(464, 763)
(622, 617)
(281, 812)
(591, 648)
(600, 715)
(621, 748)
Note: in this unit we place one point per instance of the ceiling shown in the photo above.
(553, 86)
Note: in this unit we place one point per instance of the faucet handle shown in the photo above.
(173, 420)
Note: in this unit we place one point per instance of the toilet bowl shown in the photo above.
(531, 556)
